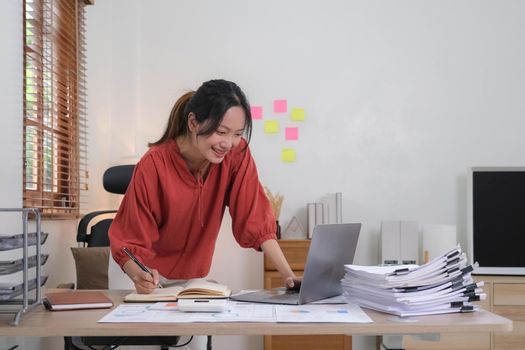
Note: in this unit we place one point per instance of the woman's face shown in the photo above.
(215, 146)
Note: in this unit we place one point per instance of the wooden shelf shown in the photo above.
(505, 297)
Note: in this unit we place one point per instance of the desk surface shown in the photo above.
(42, 323)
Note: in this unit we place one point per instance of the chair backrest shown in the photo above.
(99, 234)
(115, 180)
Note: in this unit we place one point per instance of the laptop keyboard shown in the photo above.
(287, 295)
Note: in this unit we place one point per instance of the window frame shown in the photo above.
(54, 136)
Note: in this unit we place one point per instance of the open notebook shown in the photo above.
(194, 289)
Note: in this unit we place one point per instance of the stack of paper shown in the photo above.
(443, 285)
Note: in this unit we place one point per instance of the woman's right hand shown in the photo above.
(144, 282)
(293, 282)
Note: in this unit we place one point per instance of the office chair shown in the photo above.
(115, 180)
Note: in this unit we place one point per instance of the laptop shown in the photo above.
(333, 246)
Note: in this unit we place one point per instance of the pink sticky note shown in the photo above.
(280, 106)
(291, 133)
(257, 112)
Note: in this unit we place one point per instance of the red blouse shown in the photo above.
(170, 220)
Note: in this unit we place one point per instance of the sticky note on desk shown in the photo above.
(271, 126)
(297, 114)
(288, 155)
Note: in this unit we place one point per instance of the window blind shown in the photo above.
(55, 139)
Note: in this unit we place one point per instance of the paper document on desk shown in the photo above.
(167, 313)
(444, 285)
(346, 313)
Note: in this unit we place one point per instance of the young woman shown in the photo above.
(172, 211)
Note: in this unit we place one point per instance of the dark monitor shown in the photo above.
(496, 219)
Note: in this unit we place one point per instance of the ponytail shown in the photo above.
(209, 104)
(177, 122)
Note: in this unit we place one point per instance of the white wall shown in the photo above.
(401, 97)
(11, 103)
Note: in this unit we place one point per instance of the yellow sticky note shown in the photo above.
(271, 126)
(298, 114)
(288, 155)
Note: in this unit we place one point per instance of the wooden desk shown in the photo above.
(43, 323)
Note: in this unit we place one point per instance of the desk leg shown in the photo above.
(395, 342)
(392, 342)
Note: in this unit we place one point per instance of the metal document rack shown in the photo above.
(10, 301)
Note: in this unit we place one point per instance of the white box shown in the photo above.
(310, 214)
(438, 239)
(390, 242)
(409, 242)
(319, 213)
(338, 207)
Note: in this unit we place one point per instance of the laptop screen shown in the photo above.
(332, 247)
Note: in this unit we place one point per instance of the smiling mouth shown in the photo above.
(218, 153)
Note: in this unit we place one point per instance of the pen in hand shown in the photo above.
(139, 264)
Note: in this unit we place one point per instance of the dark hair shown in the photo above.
(209, 104)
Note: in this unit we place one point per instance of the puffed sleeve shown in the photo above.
(253, 221)
(135, 225)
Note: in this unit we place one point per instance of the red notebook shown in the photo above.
(77, 300)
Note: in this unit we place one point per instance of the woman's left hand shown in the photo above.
(293, 282)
